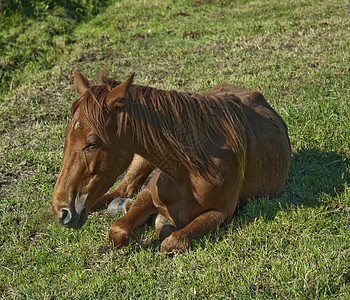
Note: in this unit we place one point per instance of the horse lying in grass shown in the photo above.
(211, 152)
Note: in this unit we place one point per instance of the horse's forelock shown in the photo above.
(92, 107)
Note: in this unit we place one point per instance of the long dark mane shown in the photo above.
(170, 122)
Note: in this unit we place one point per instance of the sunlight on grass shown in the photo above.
(295, 53)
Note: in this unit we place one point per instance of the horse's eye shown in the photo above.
(91, 145)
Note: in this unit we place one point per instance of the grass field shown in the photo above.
(296, 53)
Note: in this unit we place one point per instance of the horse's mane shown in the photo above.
(170, 122)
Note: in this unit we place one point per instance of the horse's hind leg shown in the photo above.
(135, 177)
(163, 226)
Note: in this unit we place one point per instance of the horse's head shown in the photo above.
(96, 152)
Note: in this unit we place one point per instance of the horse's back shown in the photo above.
(251, 99)
(268, 151)
(257, 110)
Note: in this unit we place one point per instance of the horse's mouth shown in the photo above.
(82, 219)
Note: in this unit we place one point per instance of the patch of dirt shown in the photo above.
(140, 36)
(89, 56)
(94, 57)
(201, 2)
(111, 56)
(10, 177)
(143, 36)
(191, 34)
(182, 14)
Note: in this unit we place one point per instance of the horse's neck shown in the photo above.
(166, 162)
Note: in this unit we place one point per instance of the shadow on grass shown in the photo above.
(313, 175)
(77, 9)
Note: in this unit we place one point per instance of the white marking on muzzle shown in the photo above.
(80, 203)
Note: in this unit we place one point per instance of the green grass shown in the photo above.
(296, 53)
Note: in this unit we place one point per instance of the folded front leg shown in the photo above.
(135, 177)
(139, 212)
(181, 239)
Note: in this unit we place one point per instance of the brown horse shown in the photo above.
(212, 151)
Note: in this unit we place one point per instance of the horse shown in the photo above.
(210, 151)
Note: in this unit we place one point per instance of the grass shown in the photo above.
(295, 52)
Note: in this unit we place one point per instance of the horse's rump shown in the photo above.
(268, 147)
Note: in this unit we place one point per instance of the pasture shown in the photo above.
(296, 53)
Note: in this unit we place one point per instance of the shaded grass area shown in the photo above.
(295, 246)
(34, 33)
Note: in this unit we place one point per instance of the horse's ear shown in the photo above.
(81, 83)
(116, 96)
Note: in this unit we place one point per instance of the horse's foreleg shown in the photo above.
(139, 212)
(181, 239)
(135, 177)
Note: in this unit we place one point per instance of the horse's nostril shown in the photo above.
(66, 216)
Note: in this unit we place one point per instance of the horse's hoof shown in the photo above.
(119, 206)
(118, 237)
(175, 244)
